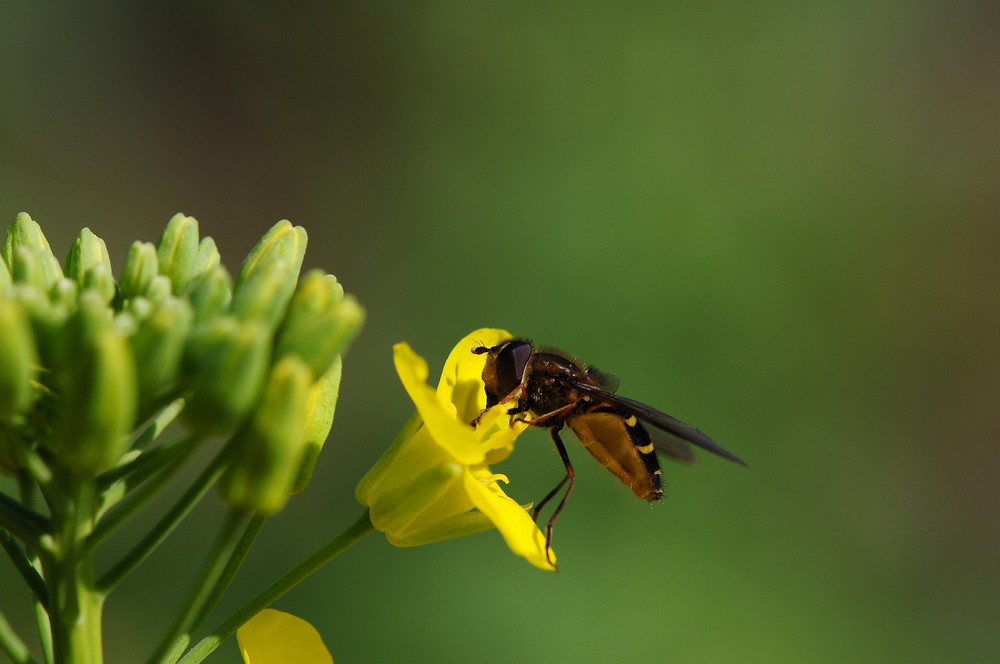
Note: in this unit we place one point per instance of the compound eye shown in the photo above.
(512, 361)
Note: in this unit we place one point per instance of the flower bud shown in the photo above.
(5, 278)
(210, 293)
(269, 447)
(141, 265)
(267, 295)
(158, 344)
(319, 338)
(26, 233)
(208, 256)
(264, 294)
(86, 251)
(282, 242)
(159, 289)
(177, 250)
(319, 419)
(225, 364)
(47, 320)
(65, 293)
(99, 279)
(18, 358)
(98, 401)
(316, 292)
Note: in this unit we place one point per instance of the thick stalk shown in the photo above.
(74, 602)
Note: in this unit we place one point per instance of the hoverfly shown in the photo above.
(556, 389)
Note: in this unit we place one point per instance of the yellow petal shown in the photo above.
(518, 530)
(456, 436)
(462, 378)
(276, 637)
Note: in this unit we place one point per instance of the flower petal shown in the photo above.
(456, 436)
(276, 637)
(462, 378)
(518, 530)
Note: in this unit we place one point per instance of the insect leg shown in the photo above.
(571, 476)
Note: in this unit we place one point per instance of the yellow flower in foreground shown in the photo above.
(433, 483)
(276, 637)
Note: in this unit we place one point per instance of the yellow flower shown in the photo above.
(276, 637)
(433, 483)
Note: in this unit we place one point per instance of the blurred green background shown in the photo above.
(777, 221)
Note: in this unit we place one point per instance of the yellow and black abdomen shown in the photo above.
(623, 446)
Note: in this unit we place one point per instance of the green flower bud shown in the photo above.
(47, 321)
(177, 250)
(319, 419)
(225, 364)
(317, 291)
(99, 279)
(269, 447)
(210, 293)
(320, 337)
(282, 242)
(86, 251)
(159, 289)
(98, 400)
(208, 256)
(264, 294)
(26, 270)
(158, 344)
(18, 358)
(141, 265)
(5, 278)
(25, 232)
(65, 293)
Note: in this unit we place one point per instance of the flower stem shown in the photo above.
(165, 526)
(42, 623)
(224, 546)
(235, 561)
(28, 525)
(355, 532)
(24, 567)
(11, 645)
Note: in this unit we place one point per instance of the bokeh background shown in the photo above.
(777, 221)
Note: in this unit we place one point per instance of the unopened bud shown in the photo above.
(177, 250)
(5, 278)
(159, 289)
(322, 336)
(100, 280)
(18, 358)
(158, 344)
(208, 256)
(86, 251)
(98, 402)
(264, 294)
(269, 447)
(210, 293)
(26, 233)
(141, 265)
(65, 293)
(225, 364)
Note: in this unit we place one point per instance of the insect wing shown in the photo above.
(668, 424)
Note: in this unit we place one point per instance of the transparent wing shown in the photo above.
(680, 432)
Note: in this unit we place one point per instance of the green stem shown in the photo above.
(356, 531)
(165, 526)
(228, 574)
(75, 604)
(24, 567)
(145, 464)
(170, 649)
(27, 525)
(159, 423)
(44, 626)
(11, 645)
(178, 456)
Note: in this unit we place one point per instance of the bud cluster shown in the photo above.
(86, 359)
